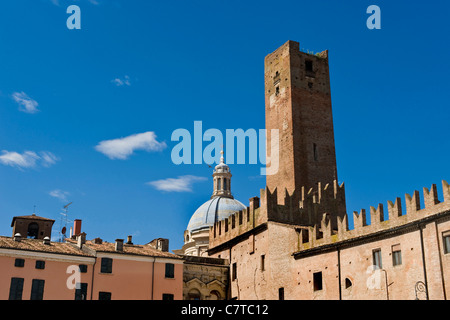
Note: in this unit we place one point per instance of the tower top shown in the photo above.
(222, 179)
(298, 105)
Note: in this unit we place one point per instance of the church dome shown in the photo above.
(213, 210)
(221, 205)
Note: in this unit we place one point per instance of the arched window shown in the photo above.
(194, 294)
(33, 230)
(224, 184)
(219, 185)
(348, 283)
(214, 295)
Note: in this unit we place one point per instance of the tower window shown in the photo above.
(224, 184)
(348, 283)
(263, 262)
(317, 281)
(33, 230)
(309, 66)
(446, 238)
(277, 91)
(234, 273)
(396, 255)
(281, 294)
(376, 255)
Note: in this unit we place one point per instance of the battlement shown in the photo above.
(322, 234)
(303, 208)
(321, 217)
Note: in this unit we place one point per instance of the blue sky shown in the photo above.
(141, 69)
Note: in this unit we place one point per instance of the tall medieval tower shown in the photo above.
(298, 104)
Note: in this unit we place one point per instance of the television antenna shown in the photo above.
(63, 229)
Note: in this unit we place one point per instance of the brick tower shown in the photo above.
(298, 104)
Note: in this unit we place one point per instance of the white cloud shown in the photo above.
(122, 148)
(48, 158)
(180, 184)
(28, 159)
(122, 82)
(14, 159)
(26, 104)
(61, 195)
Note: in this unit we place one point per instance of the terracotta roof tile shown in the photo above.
(39, 246)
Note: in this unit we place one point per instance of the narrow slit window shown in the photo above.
(317, 281)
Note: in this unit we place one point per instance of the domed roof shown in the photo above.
(213, 210)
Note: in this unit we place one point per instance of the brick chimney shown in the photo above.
(76, 227)
(129, 240)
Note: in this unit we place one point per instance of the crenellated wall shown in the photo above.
(307, 211)
(323, 233)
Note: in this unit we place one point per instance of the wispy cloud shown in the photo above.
(27, 159)
(122, 148)
(26, 104)
(125, 81)
(59, 194)
(180, 184)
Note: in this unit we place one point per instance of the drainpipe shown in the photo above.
(92, 281)
(153, 275)
(423, 260)
(339, 275)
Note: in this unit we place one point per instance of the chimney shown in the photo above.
(17, 237)
(46, 241)
(76, 227)
(81, 240)
(129, 240)
(98, 241)
(119, 245)
(163, 245)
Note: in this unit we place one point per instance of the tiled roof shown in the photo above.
(131, 249)
(32, 216)
(39, 246)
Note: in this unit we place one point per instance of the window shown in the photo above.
(33, 230)
(167, 296)
(277, 91)
(396, 255)
(37, 289)
(281, 294)
(348, 283)
(170, 270)
(376, 255)
(219, 184)
(16, 288)
(317, 281)
(308, 66)
(263, 262)
(225, 184)
(40, 264)
(446, 240)
(104, 295)
(315, 152)
(234, 272)
(83, 268)
(19, 263)
(106, 266)
(81, 291)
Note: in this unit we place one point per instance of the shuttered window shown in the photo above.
(16, 288)
(37, 289)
